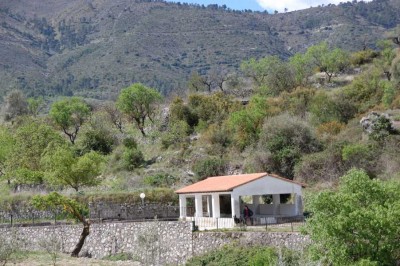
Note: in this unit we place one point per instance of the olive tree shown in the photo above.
(55, 201)
(330, 61)
(138, 102)
(69, 114)
(63, 167)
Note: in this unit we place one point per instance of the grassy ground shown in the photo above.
(44, 259)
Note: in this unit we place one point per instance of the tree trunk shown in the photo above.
(79, 245)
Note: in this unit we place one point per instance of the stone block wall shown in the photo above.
(155, 243)
(204, 242)
(108, 210)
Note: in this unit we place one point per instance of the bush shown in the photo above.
(208, 167)
(219, 137)
(325, 108)
(286, 138)
(160, 180)
(96, 140)
(237, 255)
(177, 135)
(362, 57)
(133, 158)
(366, 90)
(130, 143)
(328, 130)
(325, 166)
(178, 111)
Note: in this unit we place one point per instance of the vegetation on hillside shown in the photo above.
(94, 49)
(299, 118)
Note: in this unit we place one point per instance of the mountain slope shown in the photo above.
(94, 48)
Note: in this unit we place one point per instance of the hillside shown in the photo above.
(94, 48)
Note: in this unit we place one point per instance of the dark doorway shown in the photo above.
(225, 206)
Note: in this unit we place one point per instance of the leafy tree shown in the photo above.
(138, 103)
(328, 61)
(198, 83)
(246, 124)
(302, 69)
(7, 143)
(63, 167)
(30, 141)
(271, 72)
(15, 105)
(56, 201)
(69, 114)
(35, 105)
(114, 115)
(210, 166)
(357, 223)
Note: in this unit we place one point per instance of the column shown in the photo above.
(276, 198)
(298, 205)
(216, 212)
(198, 203)
(182, 206)
(235, 205)
(256, 202)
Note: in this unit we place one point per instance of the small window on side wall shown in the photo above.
(286, 198)
(267, 199)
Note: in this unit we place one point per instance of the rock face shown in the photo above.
(369, 122)
(152, 243)
(378, 126)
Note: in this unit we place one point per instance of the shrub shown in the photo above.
(219, 138)
(160, 180)
(97, 140)
(130, 143)
(236, 255)
(133, 158)
(389, 93)
(366, 90)
(325, 166)
(177, 135)
(210, 166)
(325, 108)
(329, 129)
(362, 57)
(287, 138)
(179, 111)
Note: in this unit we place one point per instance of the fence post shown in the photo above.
(11, 219)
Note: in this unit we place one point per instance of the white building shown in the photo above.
(216, 201)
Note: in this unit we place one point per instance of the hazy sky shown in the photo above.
(269, 5)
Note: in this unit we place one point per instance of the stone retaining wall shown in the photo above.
(157, 243)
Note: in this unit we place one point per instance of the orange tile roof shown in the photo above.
(224, 183)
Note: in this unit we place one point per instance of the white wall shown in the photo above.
(268, 185)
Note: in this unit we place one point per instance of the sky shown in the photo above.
(269, 5)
